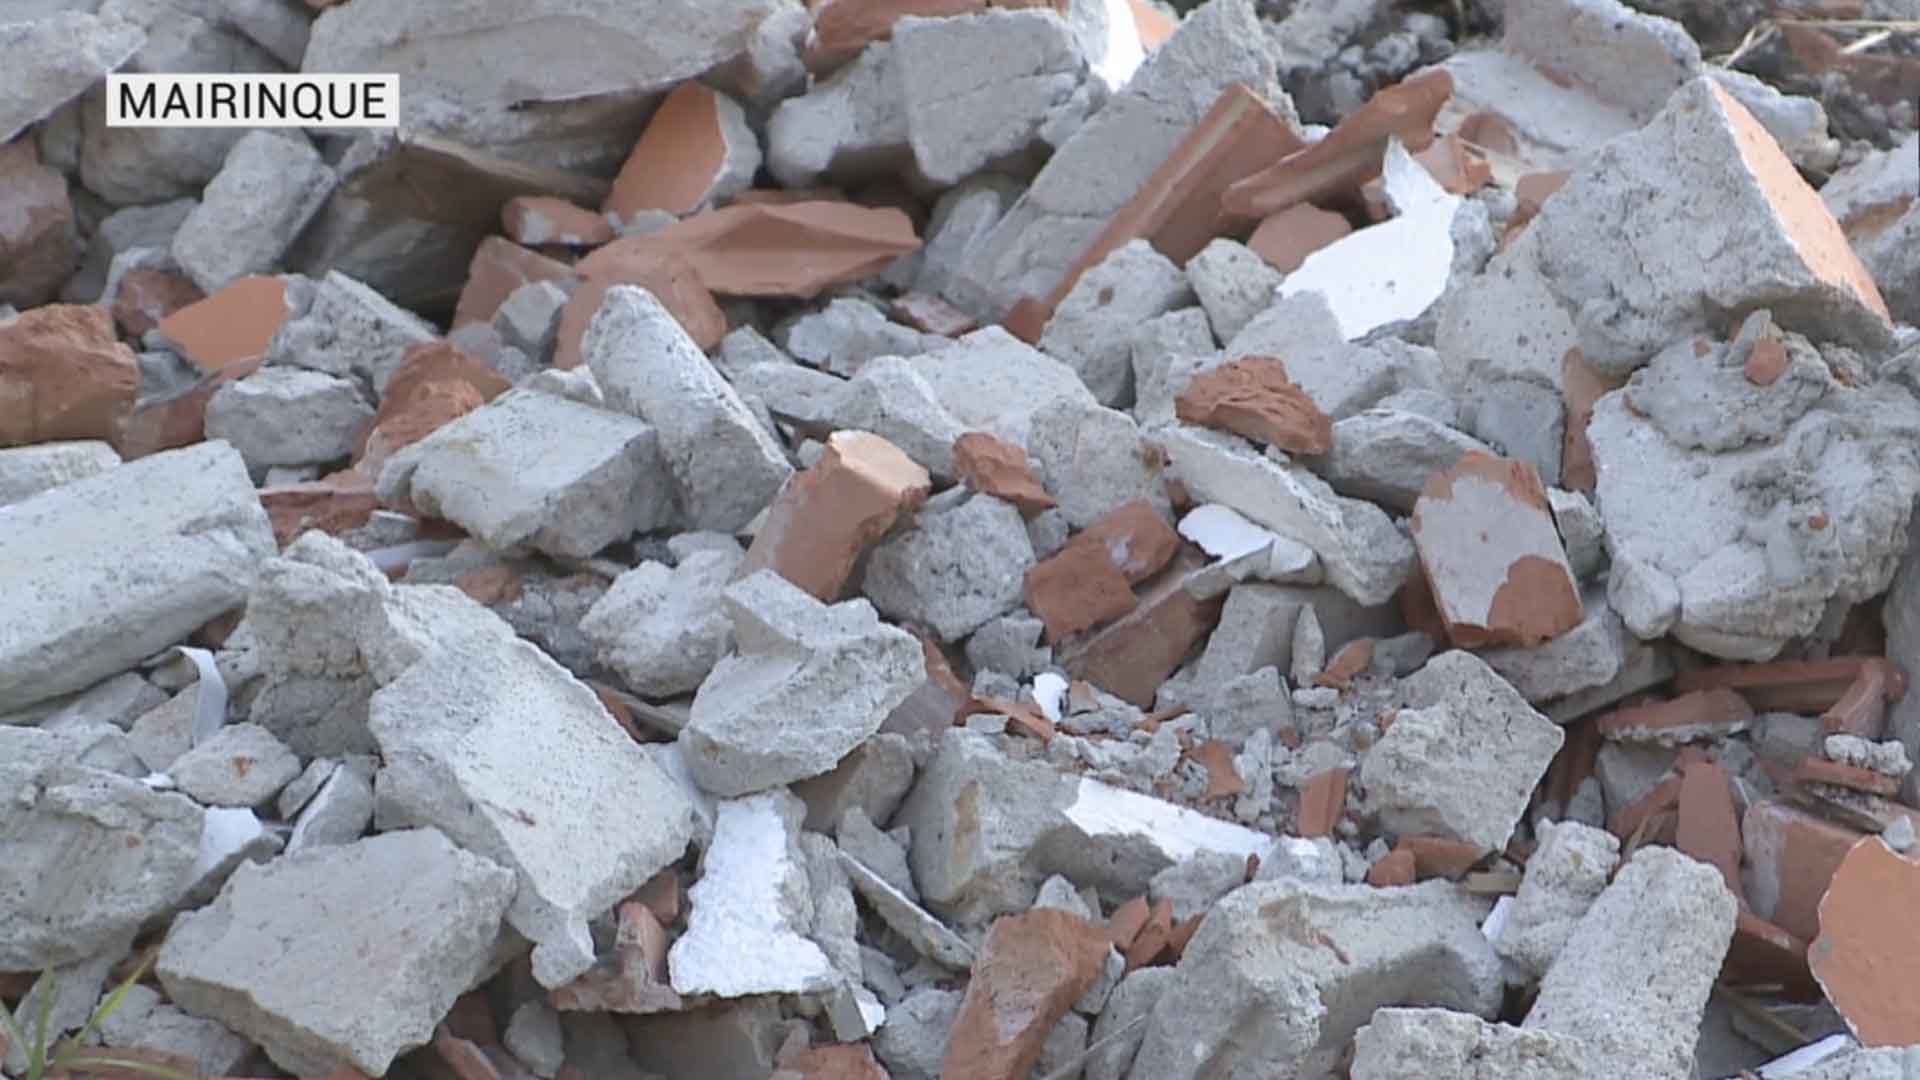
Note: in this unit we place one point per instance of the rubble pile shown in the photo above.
(1071, 539)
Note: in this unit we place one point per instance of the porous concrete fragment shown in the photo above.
(123, 564)
(455, 733)
(873, 779)
(1581, 530)
(56, 57)
(1282, 973)
(1569, 868)
(978, 89)
(662, 629)
(339, 812)
(1387, 456)
(146, 1021)
(902, 913)
(913, 1042)
(1093, 328)
(252, 958)
(1661, 927)
(1504, 586)
(86, 857)
(288, 416)
(1438, 1044)
(239, 765)
(269, 188)
(535, 1037)
(725, 464)
(341, 326)
(1703, 175)
(1462, 758)
(29, 470)
(952, 570)
(1110, 157)
(1589, 655)
(1121, 1026)
(1093, 459)
(751, 908)
(808, 683)
(534, 469)
(1233, 283)
(841, 337)
(991, 381)
(849, 125)
(1363, 554)
(892, 399)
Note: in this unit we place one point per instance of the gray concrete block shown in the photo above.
(289, 416)
(1568, 870)
(341, 326)
(1386, 455)
(270, 186)
(239, 765)
(1436, 1044)
(663, 629)
(55, 58)
(952, 570)
(29, 470)
(1093, 328)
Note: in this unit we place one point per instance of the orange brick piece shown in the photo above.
(1869, 944)
(1323, 803)
(825, 517)
(1032, 967)
(993, 466)
(1253, 397)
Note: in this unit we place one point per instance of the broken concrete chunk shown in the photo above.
(450, 731)
(125, 564)
(1364, 555)
(663, 629)
(288, 416)
(1589, 655)
(1233, 283)
(26, 471)
(893, 399)
(252, 958)
(1569, 868)
(850, 125)
(726, 465)
(1314, 961)
(347, 328)
(809, 683)
(574, 497)
(1662, 927)
(147, 1022)
(953, 570)
(1437, 1044)
(271, 185)
(991, 381)
(751, 907)
(1094, 458)
(89, 856)
(1387, 456)
(825, 518)
(240, 765)
(55, 58)
(1092, 330)
(913, 1043)
(1506, 585)
(843, 336)
(68, 372)
(1032, 968)
(698, 152)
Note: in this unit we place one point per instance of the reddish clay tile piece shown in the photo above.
(1791, 857)
(1699, 715)
(231, 327)
(1126, 922)
(1179, 209)
(1581, 387)
(37, 239)
(825, 517)
(435, 385)
(1223, 779)
(1489, 546)
(63, 375)
(333, 504)
(148, 296)
(1132, 657)
(841, 28)
(1862, 710)
(1815, 770)
(670, 279)
(1253, 397)
(1352, 153)
(1393, 869)
(793, 249)
(492, 585)
(929, 314)
(537, 220)
(1441, 856)
(1662, 800)
(1869, 945)
(1708, 828)
(1077, 589)
(1135, 537)
(1353, 658)
(1323, 802)
(1154, 25)
(679, 160)
(1763, 954)
(176, 420)
(999, 468)
(633, 979)
(1766, 362)
(1285, 239)
(842, 1061)
(1802, 686)
(1031, 968)
(1154, 937)
(1531, 192)
(1455, 166)
(500, 266)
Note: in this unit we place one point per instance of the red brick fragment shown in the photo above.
(999, 468)
(680, 159)
(1223, 779)
(38, 245)
(1659, 805)
(633, 977)
(1701, 714)
(1131, 657)
(825, 517)
(1152, 23)
(1155, 935)
(1394, 869)
(1030, 970)
(1352, 153)
(1862, 710)
(1869, 945)
(1814, 770)
(1490, 548)
(1708, 828)
(538, 220)
(63, 375)
(1127, 921)
(1135, 537)
(931, 315)
(1580, 387)
(670, 279)
(435, 384)
(1455, 166)
(1253, 397)
(1323, 802)
(1353, 658)
(1441, 856)
(1791, 857)
(1077, 589)
(1766, 362)
(842, 1061)
(1802, 686)
(500, 266)
(332, 504)
(1286, 238)
(1763, 954)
